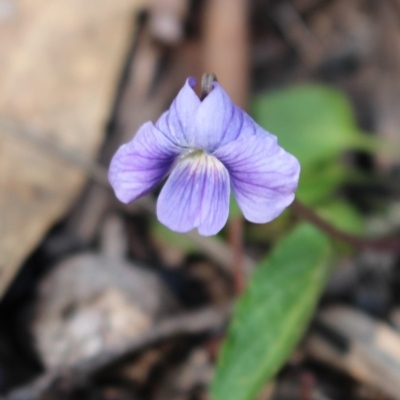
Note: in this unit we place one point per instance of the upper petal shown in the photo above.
(263, 175)
(140, 164)
(219, 121)
(196, 195)
(177, 123)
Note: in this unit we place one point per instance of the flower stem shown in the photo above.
(385, 243)
(235, 237)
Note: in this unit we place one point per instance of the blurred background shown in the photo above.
(98, 300)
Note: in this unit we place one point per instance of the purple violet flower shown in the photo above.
(207, 147)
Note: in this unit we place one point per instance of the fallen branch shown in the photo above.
(66, 380)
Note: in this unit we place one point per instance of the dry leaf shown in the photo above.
(60, 62)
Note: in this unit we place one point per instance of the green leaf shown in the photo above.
(320, 184)
(313, 122)
(273, 313)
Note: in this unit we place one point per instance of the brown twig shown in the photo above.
(68, 379)
(298, 34)
(387, 244)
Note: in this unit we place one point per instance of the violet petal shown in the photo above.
(263, 175)
(196, 195)
(178, 122)
(142, 163)
(218, 121)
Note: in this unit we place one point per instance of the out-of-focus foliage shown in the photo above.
(272, 314)
(321, 183)
(316, 123)
(174, 239)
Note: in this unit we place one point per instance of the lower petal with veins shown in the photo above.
(196, 195)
